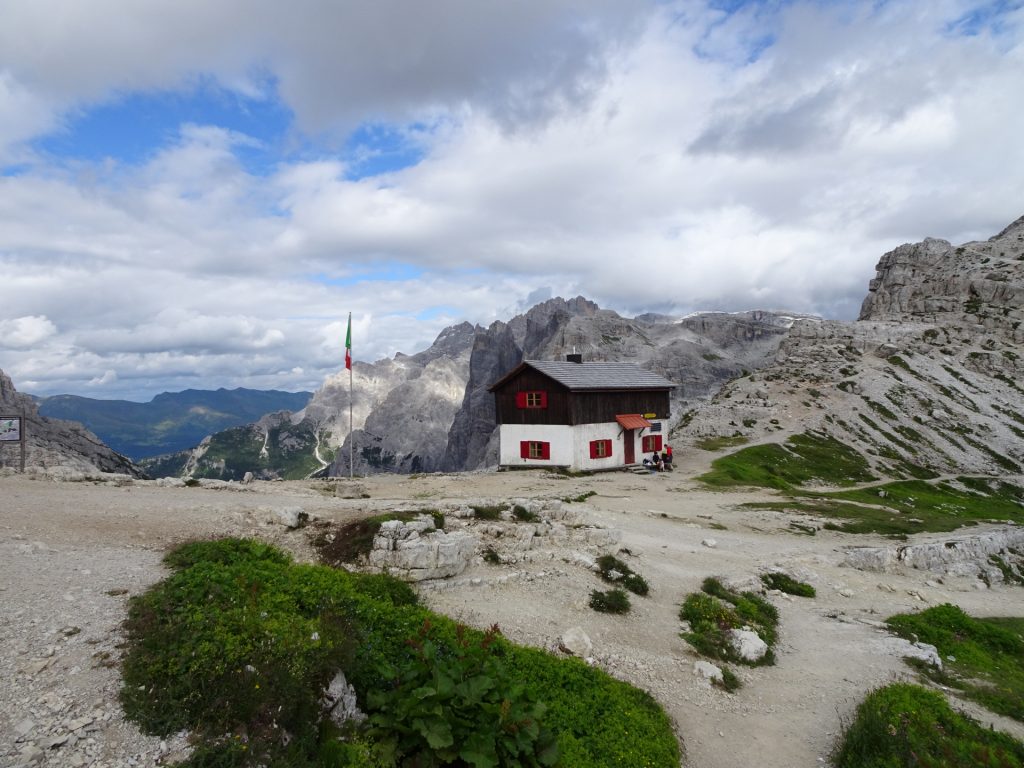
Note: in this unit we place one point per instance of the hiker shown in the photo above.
(656, 462)
(666, 458)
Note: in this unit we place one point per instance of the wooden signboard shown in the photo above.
(12, 430)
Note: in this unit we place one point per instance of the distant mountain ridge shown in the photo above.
(171, 421)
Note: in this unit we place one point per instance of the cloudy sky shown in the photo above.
(196, 194)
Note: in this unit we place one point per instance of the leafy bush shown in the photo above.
(491, 556)
(524, 515)
(449, 704)
(787, 584)
(715, 610)
(239, 643)
(492, 512)
(615, 571)
(612, 601)
(579, 499)
(906, 726)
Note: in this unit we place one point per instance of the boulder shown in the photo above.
(747, 644)
(576, 642)
(708, 671)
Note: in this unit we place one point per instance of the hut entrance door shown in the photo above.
(630, 446)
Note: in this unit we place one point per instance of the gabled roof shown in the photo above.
(595, 376)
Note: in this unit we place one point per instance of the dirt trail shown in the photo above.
(67, 549)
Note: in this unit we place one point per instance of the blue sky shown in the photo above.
(197, 196)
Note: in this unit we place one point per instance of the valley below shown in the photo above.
(72, 553)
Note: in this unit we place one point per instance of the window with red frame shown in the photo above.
(531, 399)
(534, 449)
(600, 449)
(652, 444)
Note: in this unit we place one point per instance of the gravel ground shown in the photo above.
(72, 552)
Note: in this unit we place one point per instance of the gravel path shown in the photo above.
(71, 553)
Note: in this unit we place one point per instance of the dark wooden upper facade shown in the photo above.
(590, 398)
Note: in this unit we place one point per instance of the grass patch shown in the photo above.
(615, 571)
(238, 644)
(718, 443)
(715, 610)
(787, 584)
(488, 512)
(910, 506)
(612, 601)
(804, 458)
(988, 653)
(903, 725)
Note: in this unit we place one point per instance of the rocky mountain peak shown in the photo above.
(979, 283)
(926, 382)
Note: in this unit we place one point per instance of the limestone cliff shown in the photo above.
(54, 444)
(928, 380)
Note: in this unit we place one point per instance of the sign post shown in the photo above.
(12, 430)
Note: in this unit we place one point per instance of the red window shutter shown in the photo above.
(593, 448)
(520, 399)
(543, 399)
(657, 442)
(545, 450)
(524, 449)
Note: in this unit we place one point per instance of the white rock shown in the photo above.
(707, 670)
(747, 644)
(576, 642)
(340, 700)
(709, 543)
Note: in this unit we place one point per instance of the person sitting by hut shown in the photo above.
(656, 462)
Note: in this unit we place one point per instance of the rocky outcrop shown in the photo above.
(927, 380)
(417, 551)
(59, 447)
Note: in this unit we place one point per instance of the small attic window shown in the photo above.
(536, 399)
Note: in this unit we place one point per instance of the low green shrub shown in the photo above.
(523, 515)
(715, 610)
(457, 704)
(615, 571)
(907, 726)
(487, 512)
(580, 498)
(787, 584)
(612, 601)
(238, 643)
(491, 556)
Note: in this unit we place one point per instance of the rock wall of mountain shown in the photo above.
(929, 380)
(699, 352)
(54, 444)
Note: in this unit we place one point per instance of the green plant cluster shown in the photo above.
(579, 499)
(720, 442)
(715, 610)
(787, 584)
(523, 515)
(617, 572)
(238, 644)
(457, 703)
(984, 657)
(487, 512)
(907, 726)
(612, 601)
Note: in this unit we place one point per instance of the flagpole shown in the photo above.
(348, 362)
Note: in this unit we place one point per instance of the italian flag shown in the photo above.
(348, 344)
